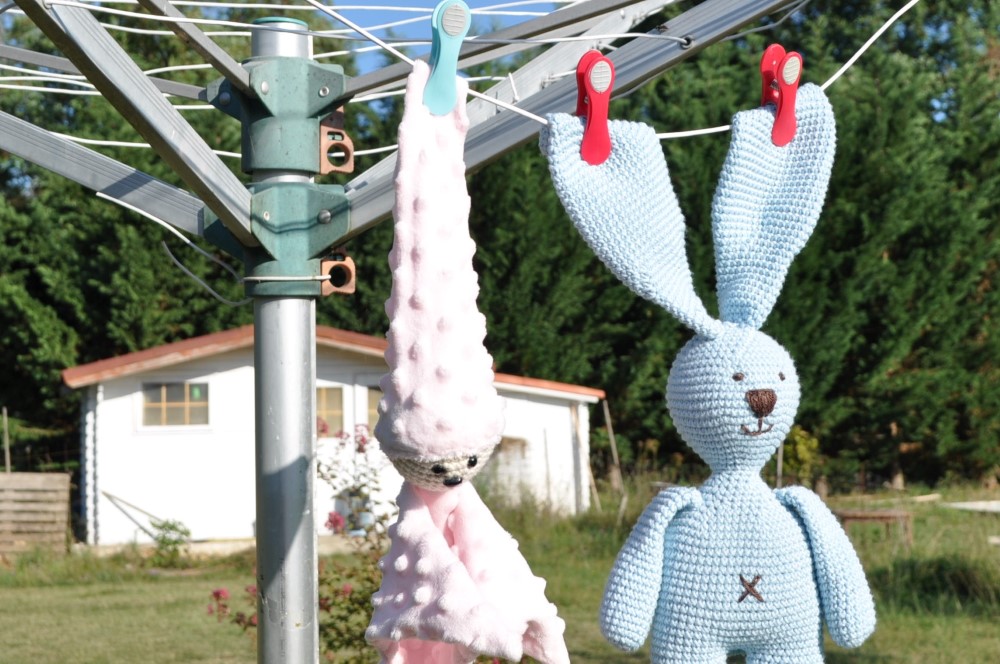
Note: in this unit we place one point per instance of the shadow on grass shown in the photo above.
(596, 655)
(856, 658)
(833, 658)
(943, 584)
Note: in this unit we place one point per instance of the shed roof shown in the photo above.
(242, 337)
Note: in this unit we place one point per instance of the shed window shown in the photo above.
(174, 404)
(329, 411)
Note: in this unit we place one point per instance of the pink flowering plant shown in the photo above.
(219, 605)
(351, 465)
(336, 523)
(346, 586)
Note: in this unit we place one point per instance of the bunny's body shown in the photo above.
(736, 570)
(731, 566)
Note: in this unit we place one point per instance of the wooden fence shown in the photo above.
(34, 512)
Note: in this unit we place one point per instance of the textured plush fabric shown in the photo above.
(454, 585)
(731, 566)
(439, 401)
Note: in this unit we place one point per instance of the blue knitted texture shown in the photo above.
(627, 212)
(731, 566)
(767, 203)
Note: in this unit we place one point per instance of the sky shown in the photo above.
(415, 16)
(418, 27)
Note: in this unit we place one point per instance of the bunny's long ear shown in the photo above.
(767, 204)
(628, 213)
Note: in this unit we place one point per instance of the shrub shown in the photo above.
(346, 585)
(171, 539)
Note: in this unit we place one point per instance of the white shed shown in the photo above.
(169, 432)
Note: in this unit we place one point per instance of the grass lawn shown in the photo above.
(938, 602)
(135, 618)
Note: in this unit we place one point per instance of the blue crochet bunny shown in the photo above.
(731, 566)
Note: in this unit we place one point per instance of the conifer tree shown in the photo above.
(890, 309)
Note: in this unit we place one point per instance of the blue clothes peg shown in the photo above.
(449, 25)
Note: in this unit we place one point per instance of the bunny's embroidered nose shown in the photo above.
(762, 402)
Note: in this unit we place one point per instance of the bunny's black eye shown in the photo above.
(738, 376)
(781, 375)
(437, 469)
(473, 460)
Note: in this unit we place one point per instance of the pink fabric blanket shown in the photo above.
(455, 586)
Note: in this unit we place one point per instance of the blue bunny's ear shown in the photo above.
(767, 204)
(626, 210)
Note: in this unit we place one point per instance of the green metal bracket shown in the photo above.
(281, 126)
(296, 223)
(300, 218)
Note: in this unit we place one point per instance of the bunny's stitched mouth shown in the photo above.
(760, 428)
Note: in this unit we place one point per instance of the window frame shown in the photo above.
(163, 384)
(344, 409)
(364, 382)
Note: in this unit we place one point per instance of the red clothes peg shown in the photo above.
(595, 77)
(581, 75)
(780, 75)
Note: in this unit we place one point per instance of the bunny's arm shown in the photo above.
(844, 595)
(634, 584)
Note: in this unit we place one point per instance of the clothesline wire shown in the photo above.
(770, 26)
(323, 34)
(189, 243)
(878, 33)
(830, 81)
(402, 56)
(51, 74)
(388, 47)
(220, 153)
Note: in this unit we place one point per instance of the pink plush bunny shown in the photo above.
(454, 584)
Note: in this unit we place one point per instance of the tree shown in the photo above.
(904, 261)
(888, 309)
(82, 279)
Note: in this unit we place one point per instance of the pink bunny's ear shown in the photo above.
(439, 399)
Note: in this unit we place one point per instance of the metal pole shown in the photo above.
(616, 470)
(285, 366)
(6, 441)
(285, 369)
(781, 454)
